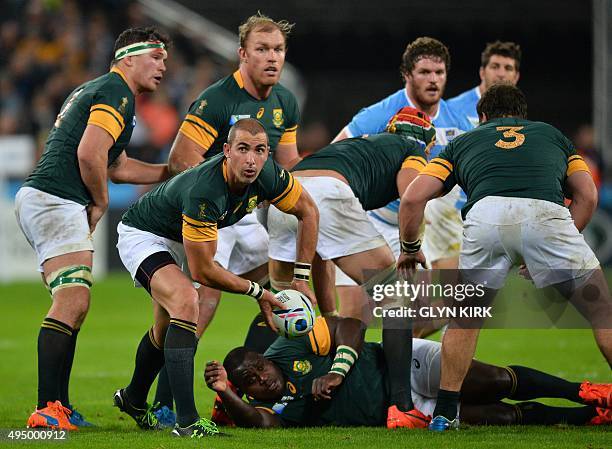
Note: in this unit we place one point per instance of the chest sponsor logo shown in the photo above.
(302, 366)
(260, 113)
(235, 118)
(201, 107)
(123, 106)
(450, 134)
(252, 204)
(277, 117)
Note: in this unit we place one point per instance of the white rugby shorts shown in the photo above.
(443, 227)
(391, 235)
(135, 246)
(52, 225)
(243, 246)
(344, 228)
(503, 232)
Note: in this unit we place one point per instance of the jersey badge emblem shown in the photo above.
(201, 107)
(123, 105)
(277, 117)
(302, 366)
(252, 204)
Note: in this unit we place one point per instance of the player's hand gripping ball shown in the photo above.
(297, 315)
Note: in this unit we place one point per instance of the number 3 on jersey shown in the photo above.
(510, 132)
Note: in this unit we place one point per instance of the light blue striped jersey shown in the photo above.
(465, 105)
(374, 118)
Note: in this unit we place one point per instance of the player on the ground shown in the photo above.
(346, 179)
(331, 377)
(251, 91)
(515, 173)
(424, 69)
(62, 201)
(499, 63)
(175, 225)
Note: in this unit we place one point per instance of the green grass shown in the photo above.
(120, 314)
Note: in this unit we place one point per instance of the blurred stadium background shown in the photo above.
(342, 56)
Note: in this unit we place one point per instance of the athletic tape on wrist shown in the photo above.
(255, 290)
(344, 360)
(410, 247)
(301, 271)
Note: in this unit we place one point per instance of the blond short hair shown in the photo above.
(261, 22)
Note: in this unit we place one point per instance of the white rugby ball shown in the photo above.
(297, 315)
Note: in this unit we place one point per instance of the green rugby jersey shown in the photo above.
(361, 400)
(369, 164)
(106, 102)
(508, 157)
(221, 105)
(197, 202)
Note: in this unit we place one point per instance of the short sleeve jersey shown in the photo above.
(221, 105)
(373, 120)
(465, 105)
(194, 204)
(360, 401)
(508, 157)
(369, 164)
(106, 102)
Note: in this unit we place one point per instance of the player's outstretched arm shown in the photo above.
(203, 268)
(243, 414)
(411, 212)
(579, 186)
(184, 154)
(132, 171)
(307, 213)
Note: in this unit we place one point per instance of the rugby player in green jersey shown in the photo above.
(515, 173)
(173, 228)
(290, 385)
(346, 179)
(63, 199)
(251, 91)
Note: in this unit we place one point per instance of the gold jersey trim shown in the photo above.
(286, 200)
(320, 338)
(199, 231)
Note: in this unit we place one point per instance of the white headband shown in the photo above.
(139, 48)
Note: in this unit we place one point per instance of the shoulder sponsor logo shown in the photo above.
(201, 107)
(291, 388)
(302, 366)
(260, 113)
(252, 204)
(134, 122)
(282, 174)
(277, 117)
(235, 118)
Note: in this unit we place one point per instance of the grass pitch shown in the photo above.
(120, 314)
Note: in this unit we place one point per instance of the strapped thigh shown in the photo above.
(69, 276)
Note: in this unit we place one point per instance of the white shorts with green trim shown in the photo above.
(52, 225)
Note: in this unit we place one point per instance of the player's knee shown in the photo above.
(185, 304)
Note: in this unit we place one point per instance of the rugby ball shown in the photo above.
(297, 316)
